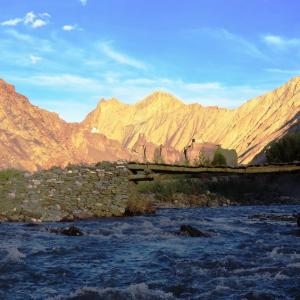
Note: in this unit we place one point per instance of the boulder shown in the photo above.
(70, 231)
(188, 230)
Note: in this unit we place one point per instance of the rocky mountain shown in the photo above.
(158, 126)
(163, 119)
(32, 138)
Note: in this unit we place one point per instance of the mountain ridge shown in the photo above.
(33, 138)
(178, 125)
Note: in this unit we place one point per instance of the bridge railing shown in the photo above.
(148, 171)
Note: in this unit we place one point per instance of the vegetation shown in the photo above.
(136, 206)
(240, 188)
(287, 149)
(203, 159)
(8, 174)
(157, 156)
(219, 159)
(166, 189)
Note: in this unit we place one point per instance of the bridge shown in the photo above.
(150, 171)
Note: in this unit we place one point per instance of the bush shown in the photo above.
(219, 159)
(287, 149)
(138, 207)
(9, 174)
(165, 189)
(202, 160)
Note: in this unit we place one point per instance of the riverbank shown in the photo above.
(185, 192)
(103, 190)
(76, 192)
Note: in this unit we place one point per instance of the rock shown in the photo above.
(273, 217)
(82, 214)
(188, 230)
(70, 231)
(12, 195)
(32, 224)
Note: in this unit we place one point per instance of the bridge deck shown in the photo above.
(144, 172)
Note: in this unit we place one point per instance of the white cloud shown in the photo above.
(38, 23)
(30, 19)
(120, 57)
(71, 27)
(68, 27)
(83, 2)
(280, 42)
(34, 59)
(11, 22)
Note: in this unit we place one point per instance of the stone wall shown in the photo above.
(76, 192)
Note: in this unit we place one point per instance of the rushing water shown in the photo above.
(142, 258)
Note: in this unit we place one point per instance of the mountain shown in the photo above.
(163, 119)
(33, 138)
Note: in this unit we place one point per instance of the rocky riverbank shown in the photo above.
(103, 190)
(76, 192)
(181, 200)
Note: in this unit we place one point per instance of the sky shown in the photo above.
(65, 55)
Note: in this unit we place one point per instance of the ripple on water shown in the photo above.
(133, 292)
(143, 258)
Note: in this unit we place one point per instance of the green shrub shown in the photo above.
(165, 189)
(219, 159)
(137, 207)
(8, 174)
(202, 160)
(287, 149)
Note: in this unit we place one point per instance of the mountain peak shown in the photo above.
(110, 101)
(160, 99)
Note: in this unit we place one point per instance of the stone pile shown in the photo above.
(76, 192)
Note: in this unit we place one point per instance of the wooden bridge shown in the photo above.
(148, 172)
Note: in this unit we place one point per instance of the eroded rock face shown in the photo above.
(33, 138)
(163, 119)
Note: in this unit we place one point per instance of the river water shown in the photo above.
(142, 257)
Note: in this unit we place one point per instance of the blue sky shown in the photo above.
(65, 55)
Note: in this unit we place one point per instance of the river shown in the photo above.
(142, 257)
